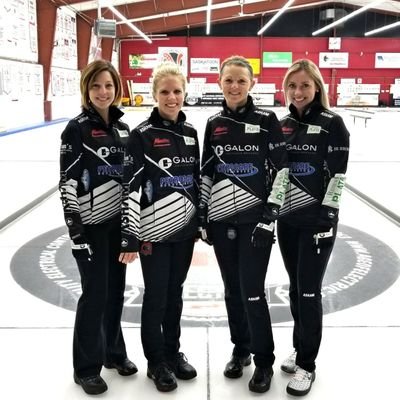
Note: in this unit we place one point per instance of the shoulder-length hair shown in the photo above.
(89, 75)
(313, 71)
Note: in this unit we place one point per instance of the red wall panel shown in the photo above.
(361, 57)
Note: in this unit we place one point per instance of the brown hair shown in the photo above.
(89, 75)
(312, 70)
(238, 61)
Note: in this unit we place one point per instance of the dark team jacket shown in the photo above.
(318, 151)
(91, 166)
(244, 164)
(161, 182)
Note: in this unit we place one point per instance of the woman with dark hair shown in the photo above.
(91, 159)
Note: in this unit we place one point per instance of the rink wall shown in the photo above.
(361, 58)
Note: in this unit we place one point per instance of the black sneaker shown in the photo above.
(261, 380)
(181, 368)
(91, 384)
(163, 377)
(234, 368)
(125, 367)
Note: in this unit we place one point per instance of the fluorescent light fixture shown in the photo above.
(209, 4)
(133, 27)
(382, 28)
(275, 17)
(348, 16)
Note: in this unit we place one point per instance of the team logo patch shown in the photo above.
(159, 142)
(146, 249)
(148, 190)
(313, 129)
(286, 130)
(249, 128)
(189, 141)
(220, 130)
(98, 133)
(122, 133)
(85, 179)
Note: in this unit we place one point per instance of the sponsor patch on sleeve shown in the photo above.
(313, 129)
(189, 141)
(249, 128)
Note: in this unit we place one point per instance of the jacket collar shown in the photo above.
(314, 108)
(115, 113)
(241, 111)
(157, 119)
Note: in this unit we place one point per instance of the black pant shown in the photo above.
(243, 269)
(164, 267)
(97, 333)
(306, 268)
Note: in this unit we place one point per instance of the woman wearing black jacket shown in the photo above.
(91, 163)
(317, 142)
(243, 177)
(161, 223)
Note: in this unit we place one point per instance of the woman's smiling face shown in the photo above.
(169, 95)
(301, 90)
(235, 83)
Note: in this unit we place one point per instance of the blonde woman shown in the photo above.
(162, 163)
(318, 149)
(243, 177)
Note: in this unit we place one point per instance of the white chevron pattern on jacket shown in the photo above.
(106, 203)
(296, 198)
(165, 217)
(228, 199)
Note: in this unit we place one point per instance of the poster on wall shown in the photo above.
(142, 61)
(19, 80)
(65, 47)
(64, 82)
(387, 60)
(177, 55)
(333, 60)
(204, 65)
(18, 30)
(277, 59)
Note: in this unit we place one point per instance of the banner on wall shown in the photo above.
(142, 61)
(387, 60)
(277, 59)
(178, 55)
(204, 65)
(333, 60)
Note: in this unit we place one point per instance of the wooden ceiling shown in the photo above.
(154, 17)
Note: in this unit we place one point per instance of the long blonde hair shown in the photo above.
(313, 71)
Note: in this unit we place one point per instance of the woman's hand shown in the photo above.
(127, 258)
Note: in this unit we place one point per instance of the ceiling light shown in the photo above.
(382, 28)
(348, 16)
(209, 4)
(133, 27)
(276, 16)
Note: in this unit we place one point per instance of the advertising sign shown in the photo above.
(276, 59)
(204, 65)
(333, 60)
